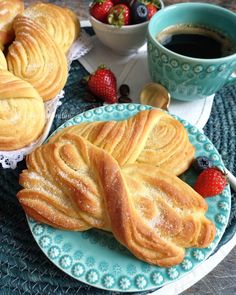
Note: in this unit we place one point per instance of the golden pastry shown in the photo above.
(150, 137)
(35, 57)
(8, 10)
(72, 184)
(61, 23)
(22, 114)
(3, 62)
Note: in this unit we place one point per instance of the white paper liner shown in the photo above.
(9, 159)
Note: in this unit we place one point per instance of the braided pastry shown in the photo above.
(35, 57)
(22, 114)
(9, 9)
(72, 184)
(61, 23)
(151, 137)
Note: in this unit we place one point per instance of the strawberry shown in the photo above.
(100, 9)
(119, 15)
(210, 182)
(103, 84)
(152, 9)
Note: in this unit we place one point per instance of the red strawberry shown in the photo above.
(152, 9)
(119, 15)
(103, 84)
(210, 182)
(100, 9)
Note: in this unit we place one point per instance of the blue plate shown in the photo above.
(96, 258)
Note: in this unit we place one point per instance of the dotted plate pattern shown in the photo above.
(96, 258)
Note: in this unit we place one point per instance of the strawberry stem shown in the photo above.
(98, 1)
(155, 3)
(102, 66)
(116, 18)
(84, 80)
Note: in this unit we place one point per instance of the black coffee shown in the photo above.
(196, 42)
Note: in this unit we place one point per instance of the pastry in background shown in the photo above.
(3, 62)
(150, 137)
(8, 10)
(74, 185)
(36, 58)
(61, 23)
(22, 114)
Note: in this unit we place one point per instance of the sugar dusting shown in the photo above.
(57, 194)
(4, 11)
(157, 220)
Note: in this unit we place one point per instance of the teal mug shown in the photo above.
(189, 78)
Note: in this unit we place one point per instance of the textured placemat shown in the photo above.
(23, 267)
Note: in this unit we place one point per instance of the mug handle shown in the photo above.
(231, 80)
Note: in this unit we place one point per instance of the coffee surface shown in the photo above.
(196, 42)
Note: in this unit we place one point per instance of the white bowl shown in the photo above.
(124, 40)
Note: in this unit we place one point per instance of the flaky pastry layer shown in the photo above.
(3, 62)
(150, 137)
(36, 58)
(9, 9)
(22, 114)
(60, 22)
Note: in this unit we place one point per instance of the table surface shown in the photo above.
(222, 280)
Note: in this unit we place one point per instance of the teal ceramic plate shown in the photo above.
(96, 258)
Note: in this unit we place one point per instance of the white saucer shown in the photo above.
(133, 70)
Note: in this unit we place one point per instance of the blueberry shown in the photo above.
(201, 163)
(124, 90)
(139, 13)
(124, 99)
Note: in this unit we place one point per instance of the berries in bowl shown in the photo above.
(121, 25)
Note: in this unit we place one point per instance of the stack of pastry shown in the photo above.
(120, 177)
(35, 43)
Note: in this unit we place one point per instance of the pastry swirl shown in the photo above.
(72, 184)
(22, 114)
(151, 137)
(61, 23)
(36, 58)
